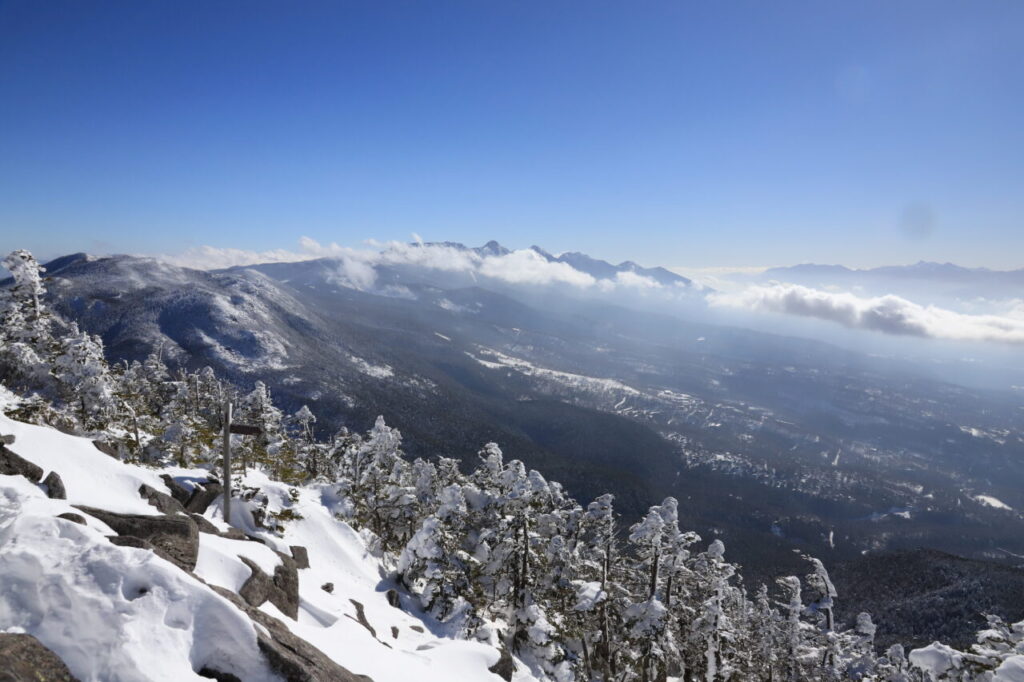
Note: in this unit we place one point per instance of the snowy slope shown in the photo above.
(119, 613)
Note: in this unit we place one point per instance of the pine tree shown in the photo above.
(84, 379)
(27, 342)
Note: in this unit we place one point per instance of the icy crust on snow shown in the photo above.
(112, 614)
(90, 477)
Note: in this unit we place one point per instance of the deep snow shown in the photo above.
(123, 614)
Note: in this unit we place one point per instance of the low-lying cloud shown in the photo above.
(887, 314)
(356, 266)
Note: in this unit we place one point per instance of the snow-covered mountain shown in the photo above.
(770, 443)
(509, 574)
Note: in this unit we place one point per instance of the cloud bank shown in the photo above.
(887, 314)
(356, 266)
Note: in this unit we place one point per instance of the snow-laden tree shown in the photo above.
(84, 379)
(27, 342)
(257, 408)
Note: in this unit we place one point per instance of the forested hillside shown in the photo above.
(494, 554)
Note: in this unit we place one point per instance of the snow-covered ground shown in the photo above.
(117, 613)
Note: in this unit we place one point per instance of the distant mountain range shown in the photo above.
(598, 269)
(922, 279)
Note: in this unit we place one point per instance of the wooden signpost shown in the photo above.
(242, 430)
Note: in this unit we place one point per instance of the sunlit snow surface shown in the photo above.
(102, 608)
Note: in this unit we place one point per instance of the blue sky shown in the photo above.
(684, 134)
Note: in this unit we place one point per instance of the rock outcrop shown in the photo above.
(162, 501)
(281, 590)
(293, 658)
(13, 464)
(23, 658)
(177, 536)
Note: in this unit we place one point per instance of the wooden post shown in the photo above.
(227, 463)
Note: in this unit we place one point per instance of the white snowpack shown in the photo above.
(112, 614)
(1011, 670)
(90, 477)
(121, 614)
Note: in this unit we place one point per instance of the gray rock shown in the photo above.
(176, 536)
(71, 516)
(55, 486)
(393, 599)
(202, 496)
(107, 448)
(212, 674)
(286, 580)
(301, 556)
(256, 589)
(282, 590)
(139, 543)
(178, 491)
(23, 658)
(7, 440)
(234, 534)
(162, 501)
(205, 525)
(13, 464)
(361, 617)
(295, 659)
(328, 588)
(505, 667)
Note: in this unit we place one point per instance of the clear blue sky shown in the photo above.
(679, 133)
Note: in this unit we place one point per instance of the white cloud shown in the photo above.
(357, 267)
(887, 314)
(529, 267)
(213, 258)
(633, 280)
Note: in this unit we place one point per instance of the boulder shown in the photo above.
(202, 495)
(178, 491)
(282, 590)
(107, 448)
(13, 464)
(393, 598)
(71, 516)
(256, 589)
(23, 658)
(234, 534)
(139, 543)
(55, 486)
(162, 501)
(176, 536)
(505, 667)
(294, 659)
(205, 525)
(328, 588)
(301, 556)
(7, 440)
